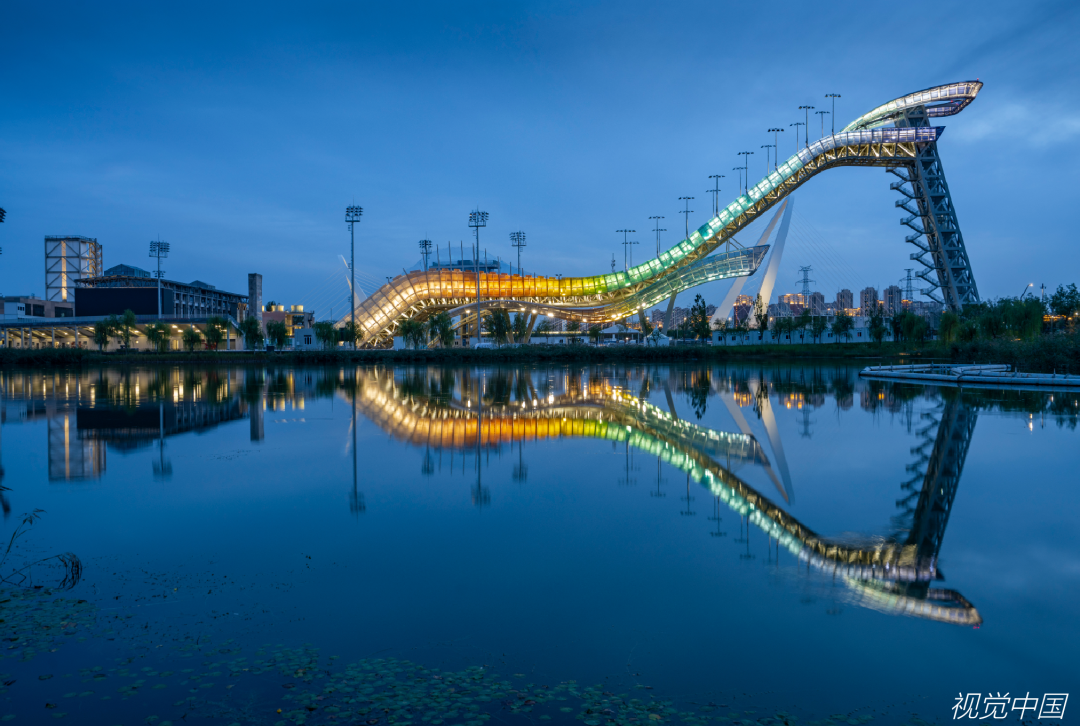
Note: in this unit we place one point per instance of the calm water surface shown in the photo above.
(723, 544)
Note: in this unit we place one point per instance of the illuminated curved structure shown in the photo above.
(908, 148)
(887, 575)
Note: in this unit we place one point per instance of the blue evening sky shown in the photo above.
(239, 133)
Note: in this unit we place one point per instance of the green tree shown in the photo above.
(782, 327)
(646, 327)
(545, 326)
(1065, 302)
(877, 327)
(842, 325)
(251, 329)
(215, 331)
(157, 334)
(325, 333)
(949, 327)
(914, 327)
(102, 333)
(761, 315)
(277, 333)
(191, 338)
(595, 331)
(440, 328)
(350, 333)
(818, 327)
(520, 327)
(497, 325)
(412, 332)
(126, 327)
(573, 327)
(804, 320)
(699, 319)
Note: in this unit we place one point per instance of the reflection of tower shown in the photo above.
(629, 468)
(658, 493)
(805, 423)
(717, 518)
(481, 496)
(70, 457)
(356, 500)
(162, 468)
(521, 469)
(427, 466)
(258, 433)
(687, 499)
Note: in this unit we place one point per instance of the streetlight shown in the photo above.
(797, 124)
(823, 114)
(746, 183)
(626, 246)
(352, 216)
(688, 211)
(517, 239)
(776, 145)
(833, 96)
(477, 219)
(159, 249)
(425, 251)
(1030, 284)
(716, 193)
(767, 147)
(625, 243)
(808, 109)
(658, 231)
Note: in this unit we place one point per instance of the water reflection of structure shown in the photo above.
(891, 574)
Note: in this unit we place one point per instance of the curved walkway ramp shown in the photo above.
(911, 145)
(610, 413)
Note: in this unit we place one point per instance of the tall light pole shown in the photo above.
(716, 193)
(808, 109)
(739, 169)
(797, 124)
(776, 145)
(688, 211)
(159, 250)
(625, 232)
(517, 239)
(746, 182)
(425, 251)
(823, 114)
(767, 147)
(833, 96)
(627, 246)
(477, 219)
(658, 231)
(352, 216)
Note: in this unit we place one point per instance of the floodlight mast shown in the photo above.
(159, 249)
(477, 219)
(687, 211)
(716, 193)
(797, 124)
(746, 178)
(352, 216)
(776, 145)
(808, 109)
(625, 244)
(425, 251)
(823, 114)
(767, 147)
(658, 231)
(833, 96)
(517, 239)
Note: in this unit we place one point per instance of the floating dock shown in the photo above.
(990, 375)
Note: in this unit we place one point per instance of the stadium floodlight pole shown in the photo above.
(658, 231)
(517, 239)
(352, 216)
(739, 169)
(688, 211)
(629, 246)
(746, 177)
(159, 249)
(625, 232)
(477, 219)
(823, 114)
(767, 147)
(797, 124)
(808, 109)
(716, 193)
(425, 251)
(833, 96)
(776, 145)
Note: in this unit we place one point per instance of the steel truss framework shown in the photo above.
(908, 150)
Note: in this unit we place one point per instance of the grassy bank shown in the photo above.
(1047, 354)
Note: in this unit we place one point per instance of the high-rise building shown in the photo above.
(816, 303)
(69, 258)
(255, 300)
(845, 300)
(744, 308)
(791, 304)
(894, 298)
(868, 301)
